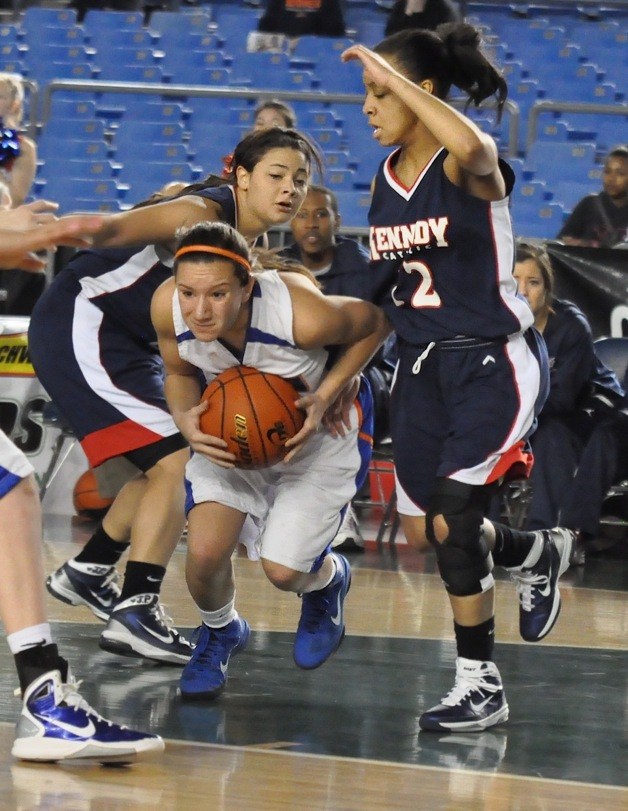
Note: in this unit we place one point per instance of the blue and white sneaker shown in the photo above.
(57, 723)
(90, 584)
(537, 585)
(139, 626)
(321, 627)
(205, 675)
(476, 701)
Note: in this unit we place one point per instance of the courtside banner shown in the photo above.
(596, 279)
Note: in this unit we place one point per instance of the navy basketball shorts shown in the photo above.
(108, 386)
(462, 410)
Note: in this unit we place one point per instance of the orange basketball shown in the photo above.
(86, 498)
(254, 413)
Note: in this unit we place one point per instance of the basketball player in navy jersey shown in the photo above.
(219, 312)
(55, 721)
(472, 371)
(104, 373)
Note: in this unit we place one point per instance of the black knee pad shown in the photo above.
(464, 559)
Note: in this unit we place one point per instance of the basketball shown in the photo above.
(86, 498)
(254, 413)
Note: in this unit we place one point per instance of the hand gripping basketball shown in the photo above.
(254, 413)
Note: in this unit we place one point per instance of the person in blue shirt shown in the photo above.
(583, 391)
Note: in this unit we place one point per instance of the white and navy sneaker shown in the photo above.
(537, 585)
(139, 626)
(57, 723)
(475, 702)
(90, 584)
(349, 538)
(205, 675)
(321, 626)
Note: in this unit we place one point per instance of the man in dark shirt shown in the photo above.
(601, 220)
(341, 265)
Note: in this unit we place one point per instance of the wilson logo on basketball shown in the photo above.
(278, 433)
(241, 438)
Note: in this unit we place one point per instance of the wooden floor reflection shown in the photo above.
(344, 738)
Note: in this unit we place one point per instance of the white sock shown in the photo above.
(30, 638)
(221, 617)
(535, 553)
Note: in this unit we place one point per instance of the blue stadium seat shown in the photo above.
(50, 147)
(46, 72)
(338, 77)
(327, 139)
(148, 108)
(37, 17)
(321, 49)
(54, 35)
(68, 108)
(132, 152)
(146, 178)
(104, 40)
(190, 67)
(353, 207)
(569, 193)
(112, 22)
(538, 222)
(57, 52)
(149, 132)
(196, 22)
(116, 72)
(574, 161)
(339, 178)
(12, 58)
(74, 194)
(76, 129)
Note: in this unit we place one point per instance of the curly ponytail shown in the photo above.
(451, 55)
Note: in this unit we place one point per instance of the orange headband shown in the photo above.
(220, 251)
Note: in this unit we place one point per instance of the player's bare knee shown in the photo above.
(282, 577)
(454, 527)
(414, 530)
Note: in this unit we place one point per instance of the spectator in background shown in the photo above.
(295, 18)
(18, 154)
(601, 220)
(582, 390)
(341, 266)
(604, 462)
(421, 14)
(274, 113)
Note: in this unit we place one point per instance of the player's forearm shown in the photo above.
(183, 392)
(354, 358)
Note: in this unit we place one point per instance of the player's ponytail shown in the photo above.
(471, 70)
(451, 55)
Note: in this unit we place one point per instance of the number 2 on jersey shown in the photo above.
(424, 294)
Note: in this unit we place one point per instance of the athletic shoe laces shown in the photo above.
(165, 622)
(466, 684)
(526, 583)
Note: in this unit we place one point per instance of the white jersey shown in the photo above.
(14, 466)
(269, 345)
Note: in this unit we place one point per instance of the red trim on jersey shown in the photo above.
(389, 173)
(515, 463)
(116, 440)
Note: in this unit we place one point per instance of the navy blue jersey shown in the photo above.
(121, 281)
(575, 370)
(441, 259)
(348, 274)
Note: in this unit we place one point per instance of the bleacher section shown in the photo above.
(118, 148)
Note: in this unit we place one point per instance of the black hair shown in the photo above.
(619, 151)
(324, 190)
(451, 55)
(252, 148)
(214, 235)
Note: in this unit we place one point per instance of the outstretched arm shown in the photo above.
(17, 247)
